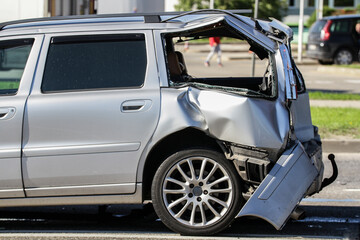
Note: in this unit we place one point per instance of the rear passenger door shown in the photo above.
(93, 108)
(18, 57)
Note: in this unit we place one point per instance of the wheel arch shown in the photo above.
(186, 138)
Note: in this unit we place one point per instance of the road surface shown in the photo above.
(332, 214)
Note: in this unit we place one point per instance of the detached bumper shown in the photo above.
(294, 174)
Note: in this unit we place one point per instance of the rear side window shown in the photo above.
(95, 62)
(13, 57)
(317, 26)
(340, 26)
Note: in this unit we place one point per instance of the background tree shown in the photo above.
(327, 11)
(267, 8)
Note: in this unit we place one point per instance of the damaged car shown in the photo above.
(107, 110)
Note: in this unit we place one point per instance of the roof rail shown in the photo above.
(147, 18)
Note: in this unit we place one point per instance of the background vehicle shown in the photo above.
(103, 110)
(334, 40)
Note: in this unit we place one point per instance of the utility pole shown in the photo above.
(256, 9)
(301, 30)
(211, 4)
(321, 7)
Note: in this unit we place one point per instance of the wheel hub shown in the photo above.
(197, 191)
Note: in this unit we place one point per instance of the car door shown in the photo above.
(18, 57)
(93, 108)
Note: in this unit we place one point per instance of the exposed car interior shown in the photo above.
(181, 73)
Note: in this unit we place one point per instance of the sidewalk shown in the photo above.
(341, 146)
(241, 51)
(335, 103)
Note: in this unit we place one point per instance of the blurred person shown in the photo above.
(215, 48)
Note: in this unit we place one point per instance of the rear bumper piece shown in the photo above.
(283, 188)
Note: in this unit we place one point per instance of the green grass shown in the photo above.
(354, 65)
(333, 96)
(9, 85)
(336, 121)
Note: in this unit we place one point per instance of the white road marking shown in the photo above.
(149, 236)
(324, 82)
(352, 190)
(353, 81)
(329, 200)
(330, 220)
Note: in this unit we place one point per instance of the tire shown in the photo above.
(197, 192)
(343, 57)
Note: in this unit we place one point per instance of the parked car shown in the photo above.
(334, 40)
(104, 110)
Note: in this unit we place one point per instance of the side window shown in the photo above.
(340, 27)
(207, 63)
(95, 62)
(13, 58)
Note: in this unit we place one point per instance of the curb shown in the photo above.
(341, 146)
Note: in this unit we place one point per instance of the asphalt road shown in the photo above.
(332, 214)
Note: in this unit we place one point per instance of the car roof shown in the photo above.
(264, 33)
(339, 17)
(123, 17)
(167, 20)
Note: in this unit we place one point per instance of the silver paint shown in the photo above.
(283, 188)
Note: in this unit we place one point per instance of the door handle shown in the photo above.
(135, 105)
(7, 113)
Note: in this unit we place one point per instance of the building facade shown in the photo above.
(311, 5)
(21, 9)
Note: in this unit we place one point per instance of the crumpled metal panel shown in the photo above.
(226, 116)
(243, 120)
(276, 24)
(290, 84)
(283, 188)
(300, 110)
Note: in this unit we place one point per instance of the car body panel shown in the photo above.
(66, 133)
(224, 119)
(12, 109)
(283, 187)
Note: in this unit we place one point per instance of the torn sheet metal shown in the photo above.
(276, 24)
(300, 110)
(226, 116)
(290, 84)
(283, 188)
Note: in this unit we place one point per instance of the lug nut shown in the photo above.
(200, 184)
(205, 192)
(190, 195)
(191, 185)
(199, 199)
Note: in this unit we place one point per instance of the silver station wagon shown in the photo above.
(109, 110)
